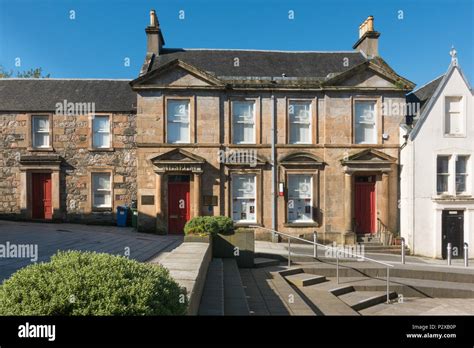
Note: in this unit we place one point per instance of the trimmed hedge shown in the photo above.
(204, 225)
(87, 283)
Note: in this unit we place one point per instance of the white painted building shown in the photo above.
(437, 168)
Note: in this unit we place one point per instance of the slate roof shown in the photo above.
(423, 94)
(43, 94)
(257, 64)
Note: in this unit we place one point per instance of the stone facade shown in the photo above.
(211, 129)
(74, 158)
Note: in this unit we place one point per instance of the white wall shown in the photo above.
(421, 225)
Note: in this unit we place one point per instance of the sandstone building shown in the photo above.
(67, 149)
(336, 146)
(199, 141)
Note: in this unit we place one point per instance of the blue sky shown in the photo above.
(104, 33)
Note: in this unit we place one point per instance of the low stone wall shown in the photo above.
(188, 265)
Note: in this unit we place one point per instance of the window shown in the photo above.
(300, 198)
(461, 174)
(101, 129)
(40, 127)
(244, 198)
(243, 116)
(101, 190)
(178, 121)
(300, 122)
(453, 116)
(442, 174)
(365, 122)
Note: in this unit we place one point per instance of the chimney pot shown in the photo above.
(368, 38)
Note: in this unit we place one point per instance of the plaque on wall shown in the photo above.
(148, 200)
(209, 200)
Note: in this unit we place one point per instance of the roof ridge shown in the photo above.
(258, 50)
(58, 78)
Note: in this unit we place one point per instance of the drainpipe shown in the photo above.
(274, 169)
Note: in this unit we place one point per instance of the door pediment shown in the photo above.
(368, 160)
(178, 160)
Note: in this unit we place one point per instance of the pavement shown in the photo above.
(42, 240)
(265, 247)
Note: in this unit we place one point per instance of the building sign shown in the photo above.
(209, 200)
(148, 200)
(178, 167)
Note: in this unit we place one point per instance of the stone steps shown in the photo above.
(359, 300)
(212, 299)
(260, 262)
(304, 279)
(235, 300)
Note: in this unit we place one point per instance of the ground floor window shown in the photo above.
(300, 198)
(244, 202)
(101, 190)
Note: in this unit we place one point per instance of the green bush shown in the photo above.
(226, 224)
(201, 225)
(86, 283)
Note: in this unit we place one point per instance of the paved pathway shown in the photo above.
(50, 237)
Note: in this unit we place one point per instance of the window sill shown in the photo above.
(301, 224)
(101, 210)
(246, 224)
(40, 149)
(94, 149)
(455, 135)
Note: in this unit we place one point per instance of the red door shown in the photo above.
(178, 206)
(364, 205)
(41, 198)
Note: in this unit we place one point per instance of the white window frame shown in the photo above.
(445, 174)
(244, 221)
(299, 221)
(234, 121)
(181, 141)
(34, 132)
(95, 190)
(293, 122)
(101, 132)
(447, 118)
(375, 123)
(465, 174)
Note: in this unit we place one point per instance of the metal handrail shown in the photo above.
(316, 244)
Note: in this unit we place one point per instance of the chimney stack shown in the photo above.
(154, 37)
(368, 38)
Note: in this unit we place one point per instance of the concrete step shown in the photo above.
(359, 300)
(260, 262)
(304, 279)
(324, 302)
(235, 300)
(212, 300)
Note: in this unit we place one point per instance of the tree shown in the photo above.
(32, 73)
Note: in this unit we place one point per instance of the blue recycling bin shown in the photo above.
(122, 213)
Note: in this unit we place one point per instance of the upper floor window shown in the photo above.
(300, 122)
(101, 132)
(461, 174)
(243, 122)
(300, 198)
(453, 116)
(442, 173)
(101, 190)
(177, 113)
(365, 122)
(244, 198)
(41, 132)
